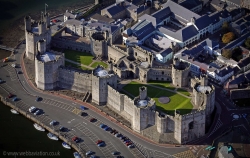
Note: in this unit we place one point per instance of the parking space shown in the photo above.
(20, 104)
(7, 88)
(61, 105)
(12, 72)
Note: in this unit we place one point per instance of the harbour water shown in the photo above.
(19, 137)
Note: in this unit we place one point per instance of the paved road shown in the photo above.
(63, 110)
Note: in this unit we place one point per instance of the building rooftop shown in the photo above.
(204, 89)
(100, 72)
(101, 18)
(142, 103)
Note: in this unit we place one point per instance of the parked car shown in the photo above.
(93, 156)
(82, 108)
(13, 65)
(76, 139)
(63, 129)
(101, 144)
(106, 128)
(10, 95)
(19, 72)
(129, 143)
(115, 153)
(102, 126)
(38, 112)
(119, 156)
(131, 146)
(93, 120)
(89, 153)
(84, 114)
(99, 141)
(32, 109)
(117, 135)
(53, 123)
(1, 81)
(38, 99)
(14, 99)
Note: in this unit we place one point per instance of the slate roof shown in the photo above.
(237, 41)
(244, 62)
(217, 16)
(238, 79)
(182, 34)
(142, 29)
(150, 18)
(203, 22)
(166, 52)
(190, 4)
(115, 9)
(69, 15)
(73, 22)
(162, 14)
(218, 3)
(180, 11)
(247, 75)
(224, 71)
(101, 18)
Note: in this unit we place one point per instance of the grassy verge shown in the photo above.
(80, 57)
(177, 101)
(75, 66)
(162, 84)
(183, 91)
(95, 64)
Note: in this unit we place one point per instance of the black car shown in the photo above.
(19, 72)
(63, 129)
(84, 114)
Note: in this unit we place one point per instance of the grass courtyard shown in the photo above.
(75, 66)
(163, 84)
(177, 101)
(83, 58)
(183, 91)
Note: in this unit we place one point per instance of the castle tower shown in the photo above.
(41, 46)
(110, 66)
(99, 46)
(144, 114)
(101, 78)
(41, 27)
(180, 72)
(27, 22)
(204, 80)
(46, 19)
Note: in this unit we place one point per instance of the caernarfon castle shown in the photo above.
(133, 62)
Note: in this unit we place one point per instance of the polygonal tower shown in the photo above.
(35, 31)
(101, 78)
(204, 97)
(144, 114)
(46, 66)
(180, 72)
(99, 44)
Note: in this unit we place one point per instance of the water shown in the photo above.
(17, 134)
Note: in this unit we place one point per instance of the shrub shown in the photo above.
(228, 37)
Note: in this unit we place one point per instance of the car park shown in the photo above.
(89, 153)
(53, 123)
(32, 109)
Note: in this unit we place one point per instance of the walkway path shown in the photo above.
(173, 91)
(79, 64)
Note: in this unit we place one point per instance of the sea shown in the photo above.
(19, 138)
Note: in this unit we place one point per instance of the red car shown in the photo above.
(129, 143)
(99, 141)
(76, 139)
(92, 120)
(10, 95)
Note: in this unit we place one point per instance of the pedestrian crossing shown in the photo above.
(217, 126)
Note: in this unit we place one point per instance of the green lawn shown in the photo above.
(176, 101)
(95, 64)
(75, 66)
(80, 57)
(183, 91)
(163, 84)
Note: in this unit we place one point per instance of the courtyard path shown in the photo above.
(79, 64)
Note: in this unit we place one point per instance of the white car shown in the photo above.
(13, 65)
(89, 153)
(32, 109)
(37, 112)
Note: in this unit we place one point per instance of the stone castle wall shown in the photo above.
(69, 44)
(161, 74)
(240, 93)
(74, 80)
(180, 77)
(114, 53)
(99, 48)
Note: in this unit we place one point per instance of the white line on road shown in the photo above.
(84, 123)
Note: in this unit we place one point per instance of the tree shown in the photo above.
(227, 53)
(247, 43)
(228, 37)
(237, 54)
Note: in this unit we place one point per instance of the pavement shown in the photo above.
(66, 111)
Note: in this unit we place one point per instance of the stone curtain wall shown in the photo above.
(73, 80)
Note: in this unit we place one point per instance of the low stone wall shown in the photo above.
(32, 118)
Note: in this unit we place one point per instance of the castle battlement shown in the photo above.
(193, 114)
(85, 73)
(118, 49)
(143, 50)
(115, 91)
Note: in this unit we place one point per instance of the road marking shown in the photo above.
(84, 123)
(71, 121)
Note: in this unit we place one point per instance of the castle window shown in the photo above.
(162, 72)
(135, 53)
(191, 125)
